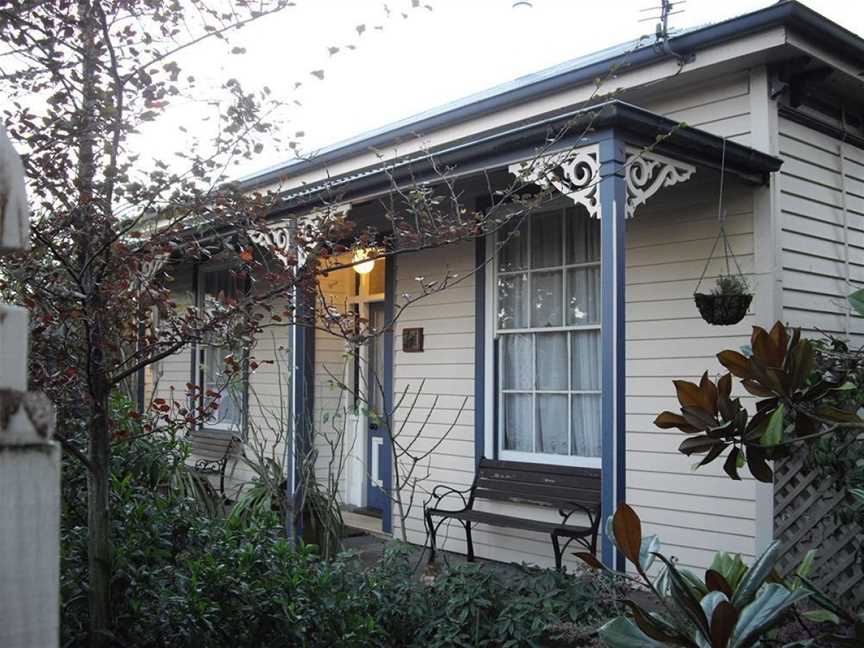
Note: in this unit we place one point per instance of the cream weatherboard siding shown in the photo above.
(668, 243)
(269, 385)
(815, 281)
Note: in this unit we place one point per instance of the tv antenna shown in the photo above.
(661, 15)
(661, 31)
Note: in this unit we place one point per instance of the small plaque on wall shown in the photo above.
(412, 340)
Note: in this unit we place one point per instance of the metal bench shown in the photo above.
(567, 489)
(210, 451)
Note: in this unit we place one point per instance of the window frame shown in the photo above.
(205, 348)
(494, 368)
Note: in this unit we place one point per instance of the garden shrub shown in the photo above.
(185, 578)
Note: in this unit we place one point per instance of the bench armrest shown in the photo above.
(441, 491)
(592, 513)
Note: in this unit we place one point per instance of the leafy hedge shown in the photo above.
(183, 578)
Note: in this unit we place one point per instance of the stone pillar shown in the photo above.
(29, 459)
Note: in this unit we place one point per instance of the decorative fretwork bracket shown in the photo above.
(646, 173)
(278, 237)
(576, 174)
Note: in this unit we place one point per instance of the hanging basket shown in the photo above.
(722, 310)
(727, 304)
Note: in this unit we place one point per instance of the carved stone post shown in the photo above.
(29, 459)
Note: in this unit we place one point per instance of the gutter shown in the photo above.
(785, 13)
(498, 148)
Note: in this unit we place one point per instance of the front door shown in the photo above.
(374, 381)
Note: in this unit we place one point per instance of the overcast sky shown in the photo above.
(429, 58)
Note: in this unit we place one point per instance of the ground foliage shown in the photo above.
(182, 577)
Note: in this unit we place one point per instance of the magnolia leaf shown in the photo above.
(710, 390)
(628, 533)
(730, 567)
(821, 616)
(730, 466)
(723, 621)
(667, 420)
(856, 301)
(683, 595)
(691, 395)
(702, 443)
(737, 364)
(756, 575)
(716, 583)
(758, 466)
(651, 624)
(649, 547)
(589, 559)
(779, 336)
(773, 433)
(621, 632)
(763, 611)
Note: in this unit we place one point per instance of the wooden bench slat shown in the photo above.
(553, 489)
(524, 466)
(496, 519)
(535, 499)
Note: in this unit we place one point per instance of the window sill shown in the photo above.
(511, 456)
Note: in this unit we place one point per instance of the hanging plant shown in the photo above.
(728, 301)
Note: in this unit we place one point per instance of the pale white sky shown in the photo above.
(429, 58)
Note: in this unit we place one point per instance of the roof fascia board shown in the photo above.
(807, 46)
(498, 149)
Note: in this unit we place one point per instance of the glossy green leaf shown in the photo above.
(856, 301)
(821, 616)
(758, 615)
(730, 567)
(773, 433)
(755, 577)
(621, 632)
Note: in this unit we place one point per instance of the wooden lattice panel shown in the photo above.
(804, 505)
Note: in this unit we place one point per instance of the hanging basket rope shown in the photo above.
(727, 304)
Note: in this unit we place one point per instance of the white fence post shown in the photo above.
(29, 459)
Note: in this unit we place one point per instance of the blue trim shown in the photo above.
(304, 392)
(613, 197)
(479, 349)
(193, 377)
(389, 310)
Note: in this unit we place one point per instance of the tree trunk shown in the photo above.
(99, 525)
(89, 237)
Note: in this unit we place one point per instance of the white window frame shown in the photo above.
(201, 364)
(493, 394)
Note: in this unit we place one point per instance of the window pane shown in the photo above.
(552, 423)
(546, 299)
(552, 361)
(513, 255)
(546, 241)
(517, 362)
(517, 422)
(376, 277)
(230, 387)
(583, 237)
(585, 430)
(585, 360)
(583, 296)
(219, 283)
(513, 301)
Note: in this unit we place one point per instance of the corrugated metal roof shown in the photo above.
(500, 89)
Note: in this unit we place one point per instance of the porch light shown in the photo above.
(363, 264)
